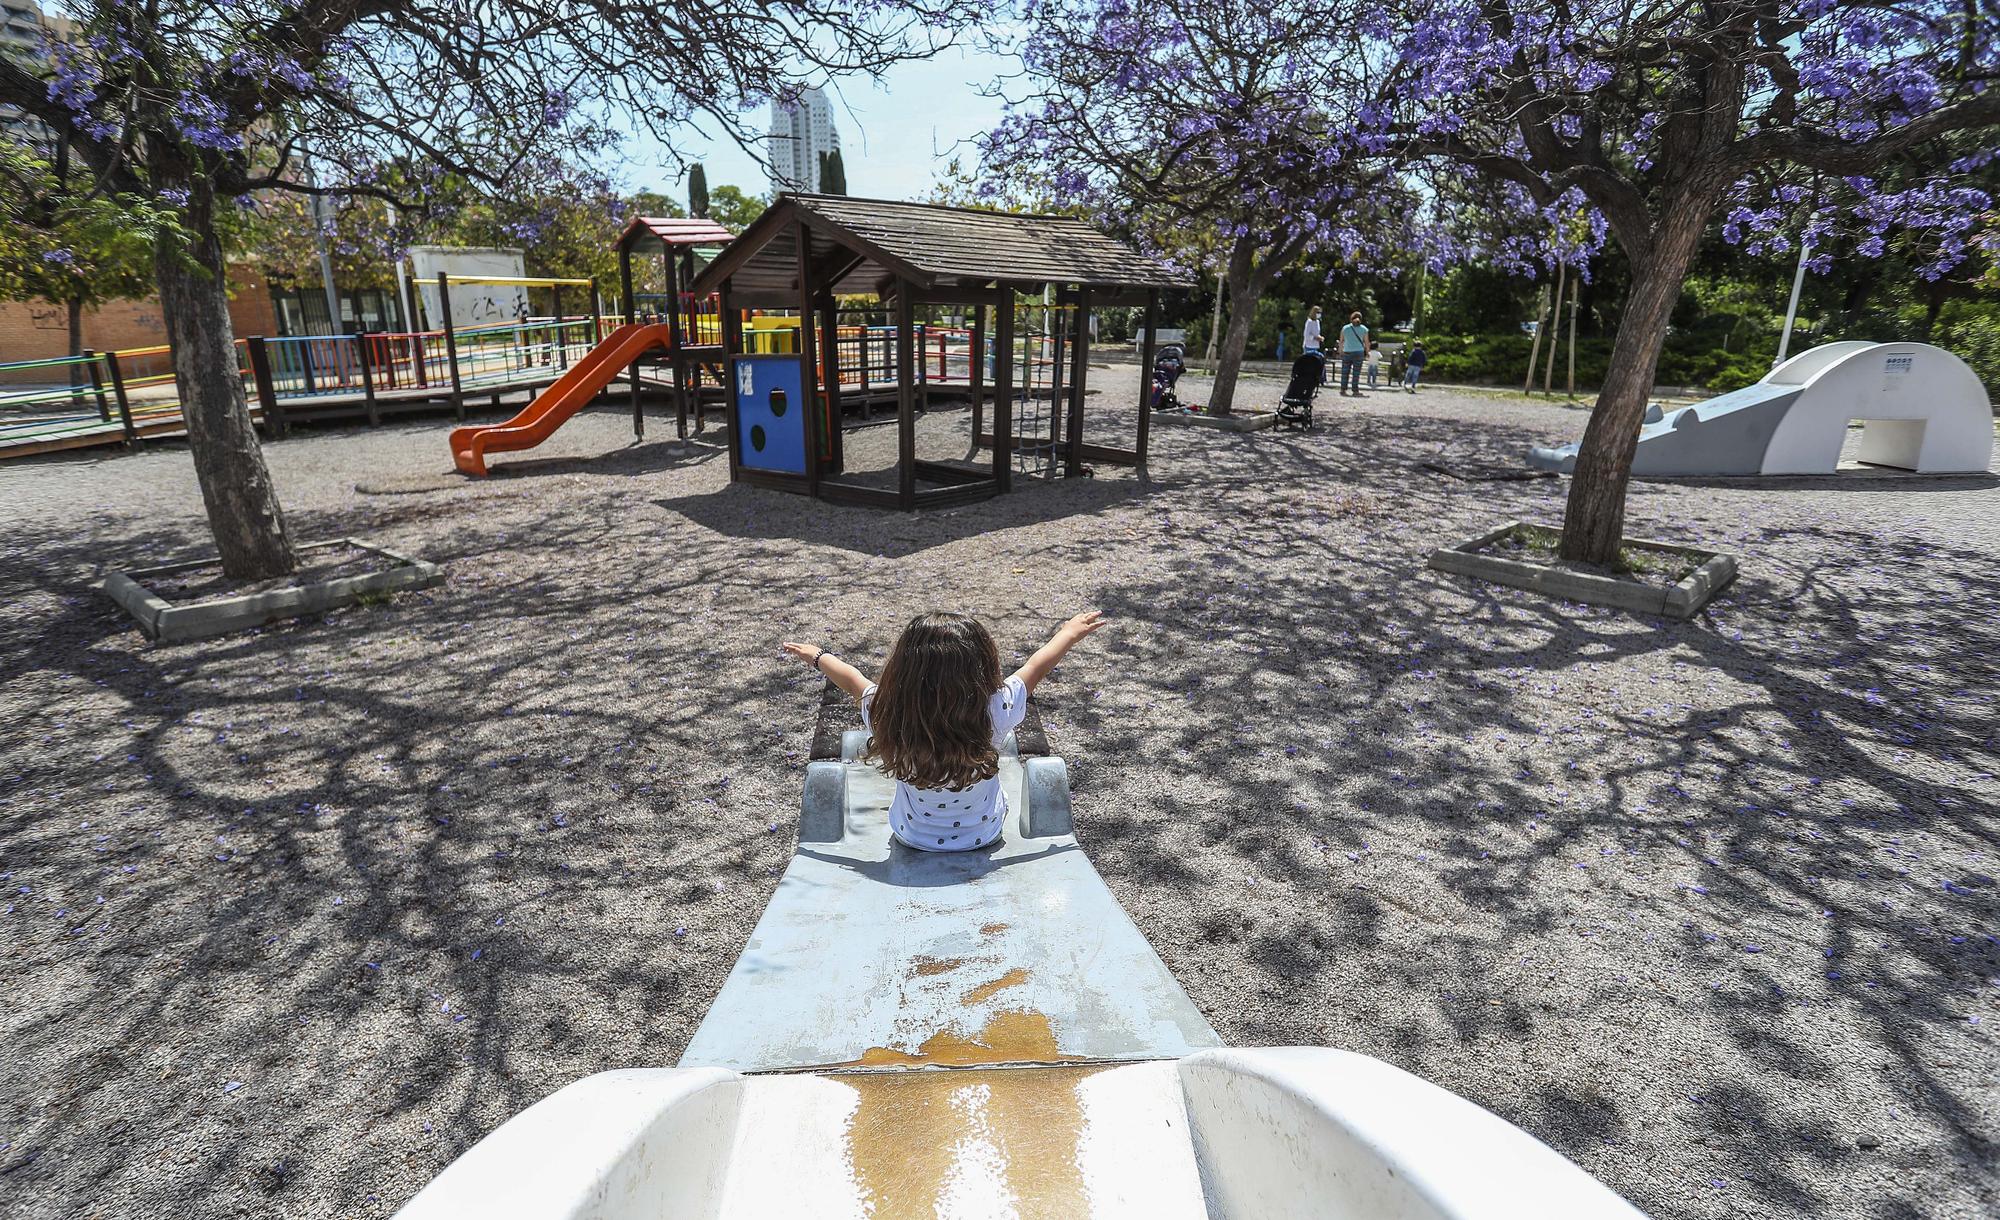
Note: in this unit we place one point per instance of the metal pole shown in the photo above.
(451, 344)
(405, 302)
(1792, 309)
(562, 347)
(319, 244)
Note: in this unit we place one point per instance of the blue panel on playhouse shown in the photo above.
(770, 431)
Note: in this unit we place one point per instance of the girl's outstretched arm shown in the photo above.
(1065, 638)
(837, 671)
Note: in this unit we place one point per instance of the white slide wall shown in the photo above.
(1934, 414)
(1297, 1133)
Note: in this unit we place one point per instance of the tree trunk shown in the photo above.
(1245, 287)
(243, 511)
(1594, 523)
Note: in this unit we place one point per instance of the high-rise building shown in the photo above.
(801, 134)
(24, 33)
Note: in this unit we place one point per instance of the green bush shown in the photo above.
(1503, 359)
(1971, 331)
(1694, 359)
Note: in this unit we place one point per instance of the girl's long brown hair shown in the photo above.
(929, 714)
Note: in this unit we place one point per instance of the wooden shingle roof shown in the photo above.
(652, 232)
(862, 244)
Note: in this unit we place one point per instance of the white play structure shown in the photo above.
(1920, 408)
(988, 1035)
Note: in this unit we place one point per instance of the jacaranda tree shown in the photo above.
(1783, 119)
(1180, 120)
(198, 105)
(63, 240)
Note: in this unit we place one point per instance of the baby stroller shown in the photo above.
(1295, 409)
(1168, 365)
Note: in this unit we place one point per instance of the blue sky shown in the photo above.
(895, 136)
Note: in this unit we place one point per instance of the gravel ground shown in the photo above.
(294, 917)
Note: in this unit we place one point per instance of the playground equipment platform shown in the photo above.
(986, 1034)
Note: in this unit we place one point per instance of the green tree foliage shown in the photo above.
(832, 174)
(62, 242)
(698, 191)
(732, 209)
(275, 235)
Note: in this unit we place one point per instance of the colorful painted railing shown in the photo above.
(124, 396)
(112, 398)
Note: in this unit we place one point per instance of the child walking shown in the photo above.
(938, 717)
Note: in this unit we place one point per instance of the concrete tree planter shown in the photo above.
(1681, 584)
(199, 618)
(1246, 421)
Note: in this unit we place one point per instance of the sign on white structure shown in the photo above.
(472, 303)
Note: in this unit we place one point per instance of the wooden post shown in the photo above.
(808, 356)
(732, 327)
(630, 302)
(1079, 374)
(1535, 349)
(976, 373)
(677, 335)
(1058, 346)
(1003, 390)
(125, 404)
(1555, 327)
(836, 438)
(260, 375)
(367, 378)
(96, 384)
(451, 345)
(596, 313)
(906, 399)
(867, 354)
(1575, 301)
(1147, 352)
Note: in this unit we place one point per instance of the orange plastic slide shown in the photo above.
(538, 421)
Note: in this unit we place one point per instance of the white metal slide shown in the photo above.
(988, 1035)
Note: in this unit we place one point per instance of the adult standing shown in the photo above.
(1354, 345)
(1311, 339)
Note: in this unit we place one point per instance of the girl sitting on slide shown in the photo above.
(938, 718)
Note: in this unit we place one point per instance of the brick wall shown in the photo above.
(38, 330)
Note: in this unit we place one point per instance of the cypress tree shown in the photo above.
(698, 191)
